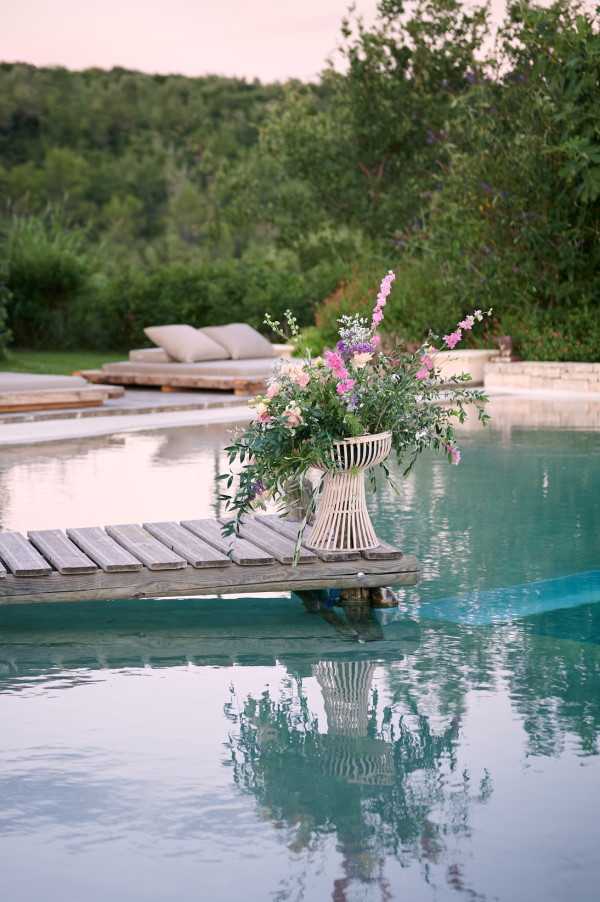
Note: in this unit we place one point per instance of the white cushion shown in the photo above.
(150, 355)
(186, 344)
(240, 340)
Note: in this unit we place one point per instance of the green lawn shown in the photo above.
(56, 362)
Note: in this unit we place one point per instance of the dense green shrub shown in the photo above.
(204, 294)
(61, 297)
(5, 334)
(47, 273)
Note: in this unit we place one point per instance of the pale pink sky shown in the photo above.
(268, 39)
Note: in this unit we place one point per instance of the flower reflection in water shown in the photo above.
(382, 781)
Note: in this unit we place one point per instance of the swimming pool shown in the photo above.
(241, 748)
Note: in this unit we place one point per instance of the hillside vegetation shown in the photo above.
(469, 166)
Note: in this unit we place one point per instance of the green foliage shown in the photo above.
(469, 167)
(46, 275)
(134, 158)
(366, 148)
(5, 334)
(477, 178)
(514, 224)
(61, 297)
(201, 294)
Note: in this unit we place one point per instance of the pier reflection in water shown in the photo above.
(285, 760)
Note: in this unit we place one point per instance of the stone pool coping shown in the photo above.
(584, 407)
(41, 431)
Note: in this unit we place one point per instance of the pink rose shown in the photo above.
(301, 378)
(273, 389)
(293, 415)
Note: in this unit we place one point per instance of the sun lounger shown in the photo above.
(30, 392)
(153, 367)
(240, 376)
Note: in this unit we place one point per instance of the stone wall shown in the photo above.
(453, 363)
(533, 376)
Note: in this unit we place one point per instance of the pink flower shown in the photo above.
(333, 360)
(345, 386)
(423, 373)
(301, 378)
(273, 389)
(467, 323)
(454, 453)
(293, 415)
(427, 361)
(376, 340)
(264, 418)
(453, 339)
(384, 290)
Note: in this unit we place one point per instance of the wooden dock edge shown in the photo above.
(102, 586)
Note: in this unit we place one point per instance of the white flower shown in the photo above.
(261, 408)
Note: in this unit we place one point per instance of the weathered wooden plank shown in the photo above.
(107, 553)
(239, 385)
(274, 543)
(289, 528)
(60, 551)
(196, 552)
(214, 581)
(152, 553)
(383, 552)
(240, 551)
(20, 556)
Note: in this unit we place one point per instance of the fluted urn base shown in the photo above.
(342, 522)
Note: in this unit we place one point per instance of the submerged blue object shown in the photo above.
(511, 602)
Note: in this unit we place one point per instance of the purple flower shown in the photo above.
(361, 347)
(257, 488)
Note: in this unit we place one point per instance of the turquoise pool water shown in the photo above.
(220, 749)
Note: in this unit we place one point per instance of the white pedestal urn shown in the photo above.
(342, 522)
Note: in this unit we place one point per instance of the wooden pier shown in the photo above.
(189, 558)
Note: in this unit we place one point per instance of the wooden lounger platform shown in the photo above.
(183, 559)
(239, 385)
(38, 397)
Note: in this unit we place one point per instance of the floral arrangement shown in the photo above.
(352, 390)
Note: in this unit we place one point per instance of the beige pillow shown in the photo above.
(150, 355)
(240, 340)
(186, 344)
